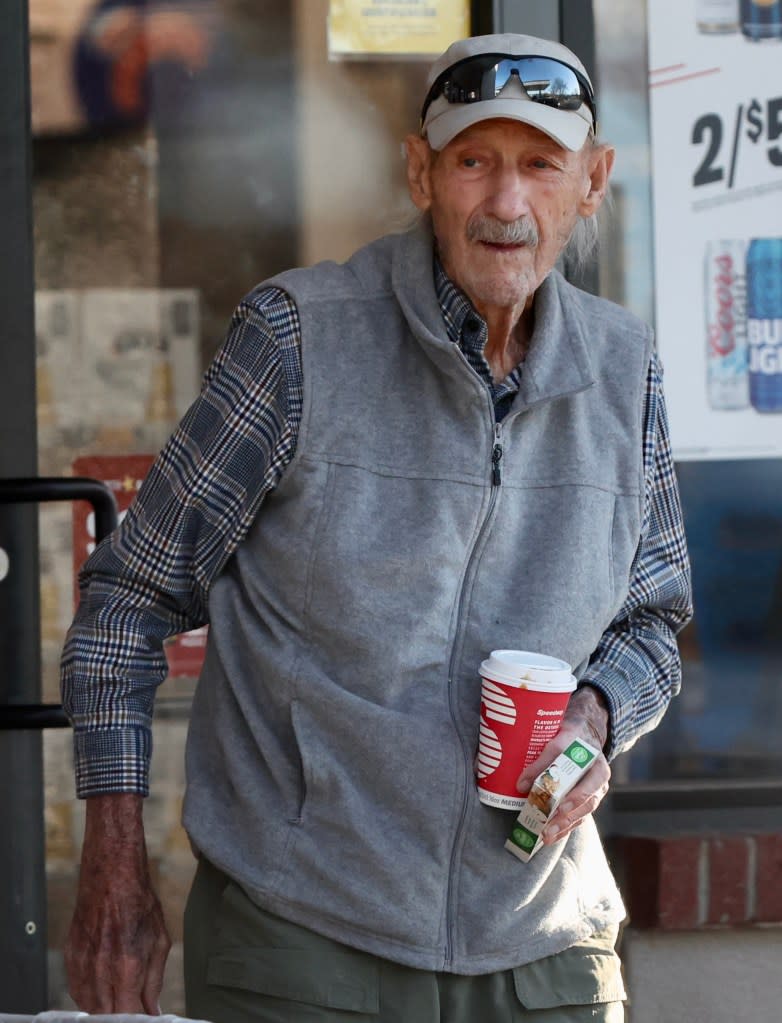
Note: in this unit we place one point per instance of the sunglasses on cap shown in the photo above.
(545, 80)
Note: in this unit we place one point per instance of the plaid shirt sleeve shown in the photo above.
(150, 579)
(636, 664)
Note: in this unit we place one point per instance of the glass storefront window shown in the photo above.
(184, 151)
(626, 270)
(724, 724)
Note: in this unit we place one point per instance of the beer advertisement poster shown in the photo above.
(715, 90)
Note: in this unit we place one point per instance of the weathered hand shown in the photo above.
(586, 717)
(117, 946)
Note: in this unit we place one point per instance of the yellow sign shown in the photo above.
(396, 27)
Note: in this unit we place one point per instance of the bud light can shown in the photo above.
(761, 19)
(764, 323)
(727, 383)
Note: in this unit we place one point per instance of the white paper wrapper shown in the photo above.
(547, 792)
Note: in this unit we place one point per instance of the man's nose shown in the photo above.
(508, 199)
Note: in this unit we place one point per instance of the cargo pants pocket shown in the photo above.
(265, 969)
(582, 983)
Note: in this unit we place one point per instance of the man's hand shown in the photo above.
(117, 946)
(586, 717)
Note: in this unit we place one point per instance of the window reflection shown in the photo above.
(729, 717)
(626, 273)
(726, 720)
(183, 151)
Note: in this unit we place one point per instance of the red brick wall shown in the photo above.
(693, 882)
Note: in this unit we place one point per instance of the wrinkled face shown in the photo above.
(504, 198)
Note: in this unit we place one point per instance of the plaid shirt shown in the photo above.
(151, 578)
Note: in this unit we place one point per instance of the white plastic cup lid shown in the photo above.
(523, 667)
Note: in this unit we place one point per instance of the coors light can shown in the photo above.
(727, 383)
(717, 16)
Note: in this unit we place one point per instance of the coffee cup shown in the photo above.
(523, 701)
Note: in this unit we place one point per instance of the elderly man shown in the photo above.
(394, 466)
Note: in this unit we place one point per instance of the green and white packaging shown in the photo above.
(547, 792)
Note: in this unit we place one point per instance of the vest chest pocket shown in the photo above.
(556, 568)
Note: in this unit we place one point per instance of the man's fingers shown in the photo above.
(128, 1004)
(115, 964)
(548, 755)
(106, 985)
(582, 801)
(153, 983)
(129, 977)
(124, 984)
(89, 982)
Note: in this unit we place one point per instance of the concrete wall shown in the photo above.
(704, 976)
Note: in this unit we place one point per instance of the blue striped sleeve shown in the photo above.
(636, 664)
(150, 579)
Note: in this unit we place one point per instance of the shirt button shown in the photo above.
(472, 324)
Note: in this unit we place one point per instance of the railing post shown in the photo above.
(23, 888)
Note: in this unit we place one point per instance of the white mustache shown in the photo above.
(499, 232)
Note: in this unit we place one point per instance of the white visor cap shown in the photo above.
(444, 120)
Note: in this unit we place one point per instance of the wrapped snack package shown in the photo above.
(547, 792)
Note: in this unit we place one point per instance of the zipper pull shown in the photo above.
(496, 458)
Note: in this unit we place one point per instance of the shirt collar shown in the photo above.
(467, 329)
(455, 305)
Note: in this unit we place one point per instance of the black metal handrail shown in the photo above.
(36, 490)
(16, 716)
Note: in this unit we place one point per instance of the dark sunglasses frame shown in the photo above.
(470, 81)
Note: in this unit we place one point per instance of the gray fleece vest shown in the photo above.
(330, 756)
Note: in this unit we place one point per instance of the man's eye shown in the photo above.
(470, 161)
(540, 163)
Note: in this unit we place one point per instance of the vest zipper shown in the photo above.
(496, 457)
(496, 481)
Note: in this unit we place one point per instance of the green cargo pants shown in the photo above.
(244, 965)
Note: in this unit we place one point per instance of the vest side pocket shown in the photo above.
(303, 769)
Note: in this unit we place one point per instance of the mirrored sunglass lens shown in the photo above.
(549, 82)
(502, 73)
(473, 80)
(545, 81)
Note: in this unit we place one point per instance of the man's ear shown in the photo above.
(600, 160)
(419, 168)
